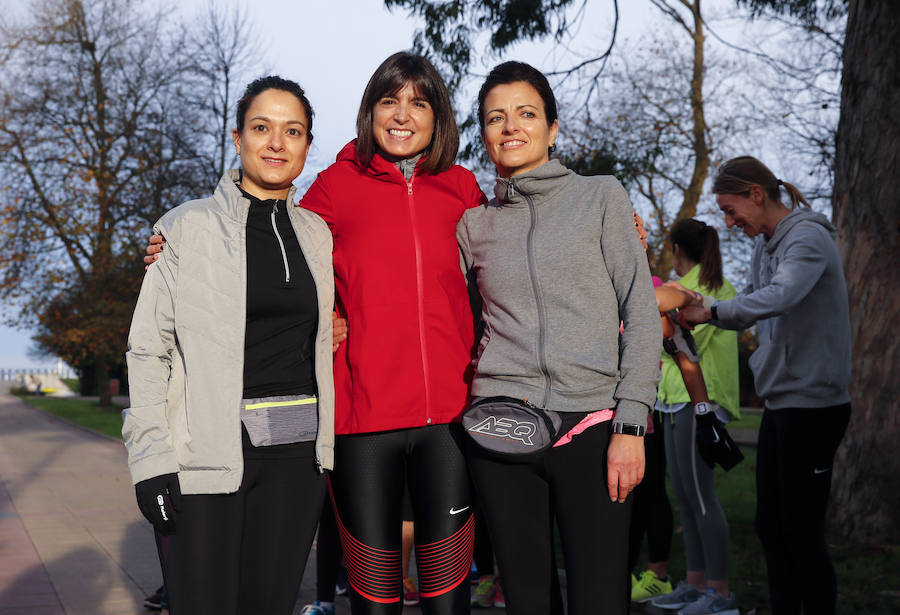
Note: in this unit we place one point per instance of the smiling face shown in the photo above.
(273, 144)
(403, 123)
(743, 211)
(516, 134)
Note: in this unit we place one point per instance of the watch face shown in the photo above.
(702, 407)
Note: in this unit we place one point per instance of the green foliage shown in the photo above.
(87, 413)
(73, 383)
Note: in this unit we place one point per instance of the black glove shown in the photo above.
(159, 499)
(715, 444)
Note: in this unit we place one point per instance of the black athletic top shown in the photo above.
(282, 308)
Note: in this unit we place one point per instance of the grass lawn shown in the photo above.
(73, 383)
(84, 412)
(866, 583)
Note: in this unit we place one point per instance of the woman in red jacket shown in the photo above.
(392, 201)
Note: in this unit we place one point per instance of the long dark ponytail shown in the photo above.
(700, 243)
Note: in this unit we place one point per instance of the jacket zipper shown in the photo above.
(420, 293)
(542, 324)
(287, 270)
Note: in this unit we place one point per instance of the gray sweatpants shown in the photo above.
(706, 542)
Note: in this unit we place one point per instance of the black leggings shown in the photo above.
(795, 457)
(520, 500)
(367, 486)
(652, 512)
(244, 553)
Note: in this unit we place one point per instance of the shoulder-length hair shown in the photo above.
(389, 78)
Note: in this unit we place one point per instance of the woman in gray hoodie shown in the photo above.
(558, 267)
(797, 298)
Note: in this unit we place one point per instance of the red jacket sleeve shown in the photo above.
(318, 200)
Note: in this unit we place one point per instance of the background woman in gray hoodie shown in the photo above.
(797, 298)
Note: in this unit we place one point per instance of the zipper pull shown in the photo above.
(409, 188)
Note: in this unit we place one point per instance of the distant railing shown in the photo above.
(11, 374)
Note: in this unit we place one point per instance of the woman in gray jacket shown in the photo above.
(558, 268)
(797, 298)
(230, 368)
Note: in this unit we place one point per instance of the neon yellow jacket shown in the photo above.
(718, 357)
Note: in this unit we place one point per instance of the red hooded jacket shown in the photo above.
(407, 358)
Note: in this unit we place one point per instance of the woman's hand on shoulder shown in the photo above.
(625, 465)
(156, 245)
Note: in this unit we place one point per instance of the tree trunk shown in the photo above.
(103, 383)
(866, 492)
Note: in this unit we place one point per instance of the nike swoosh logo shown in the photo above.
(818, 471)
(453, 511)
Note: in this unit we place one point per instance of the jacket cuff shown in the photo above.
(629, 411)
(154, 465)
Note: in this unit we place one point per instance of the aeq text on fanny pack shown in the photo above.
(515, 428)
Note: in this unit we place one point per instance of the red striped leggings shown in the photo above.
(367, 487)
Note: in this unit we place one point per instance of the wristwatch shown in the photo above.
(702, 407)
(714, 311)
(629, 429)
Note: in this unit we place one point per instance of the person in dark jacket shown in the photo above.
(558, 267)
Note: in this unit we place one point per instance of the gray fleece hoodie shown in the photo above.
(558, 266)
(798, 298)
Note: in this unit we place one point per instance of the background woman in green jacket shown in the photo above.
(696, 258)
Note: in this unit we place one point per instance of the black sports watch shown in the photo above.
(629, 429)
(714, 311)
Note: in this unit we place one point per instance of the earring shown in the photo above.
(553, 148)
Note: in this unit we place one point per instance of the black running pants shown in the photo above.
(520, 501)
(244, 553)
(795, 457)
(367, 486)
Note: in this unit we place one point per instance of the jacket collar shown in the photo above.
(539, 184)
(380, 167)
(232, 201)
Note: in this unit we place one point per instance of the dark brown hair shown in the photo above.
(274, 82)
(700, 243)
(740, 174)
(513, 72)
(389, 78)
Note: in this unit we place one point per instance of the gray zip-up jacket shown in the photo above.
(558, 266)
(186, 344)
(797, 297)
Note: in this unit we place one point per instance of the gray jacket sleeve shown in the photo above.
(800, 267)
(151, 348)
(641, 338)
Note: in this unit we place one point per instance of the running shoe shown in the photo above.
(410, 592)
(679, 598)
(634, 581)
(154, 601)
(499, 600)
(649, 587)
(712, 603)
(483, 598)
(318, 608)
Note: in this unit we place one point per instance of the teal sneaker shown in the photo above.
(649, 587)
(679, 598)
